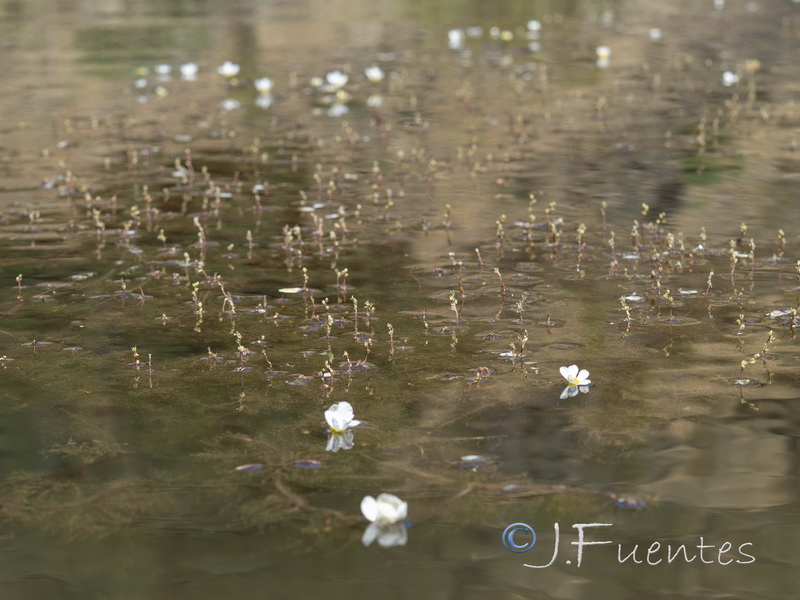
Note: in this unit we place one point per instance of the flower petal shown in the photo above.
(369, 508)
(569, 372)
(339, 416)
(370, 533)
(391, 509)
(583, 375)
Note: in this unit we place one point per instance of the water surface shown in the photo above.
(193, 272)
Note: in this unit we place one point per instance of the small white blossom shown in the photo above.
(189, 71)
(574, 376)
(386, 509)
(263, 85)
(455, 39)
(603, 52)
(337, 79)
(340, 417)
(729, 78)
(386, 514)
(578, 381)
(374, 74)
(228, 69)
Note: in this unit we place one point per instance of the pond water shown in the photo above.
(194, 270)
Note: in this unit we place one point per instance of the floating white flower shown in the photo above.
(340, 417)
(263, 85)
(386, 514)
(575, 376)
(578, 381)
(729, 78)
(374, 100)
(455, 39)
(337, 79)
(374, 74)
(189, 71)
(603, 56)
(228, 69)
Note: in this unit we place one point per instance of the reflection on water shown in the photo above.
(237, 301)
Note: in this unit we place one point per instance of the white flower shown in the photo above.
(386, 515)
(263, 85)
(729, 78)
(603, 56)
(534, 25)
(455, 39)
(578, 381)
(374, 74)
(337, 79)
(340, 417)
(228, 69)
(189, 71)
(574, 376)
(374, 100)
(386, 509)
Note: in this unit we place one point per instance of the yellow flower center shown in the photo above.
(573, 381)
